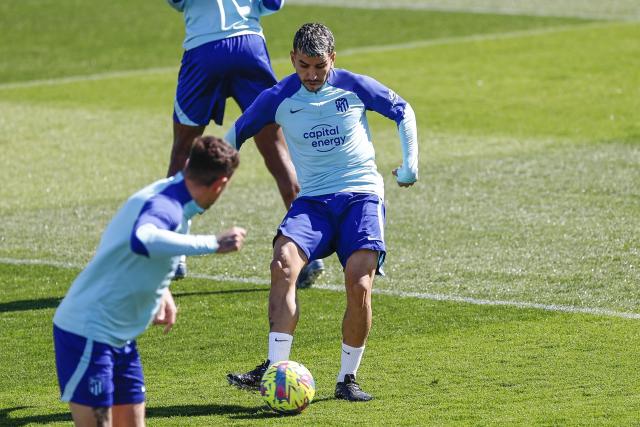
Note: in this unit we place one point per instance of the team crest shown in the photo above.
(393, 97)
(342, 105)
(96, 387)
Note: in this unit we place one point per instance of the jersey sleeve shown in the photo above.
(177, 4)
(408, 132)
(267, 7)
(375, 96)
(165, 243)
(259, 114)
(162, 212)
(379, 98)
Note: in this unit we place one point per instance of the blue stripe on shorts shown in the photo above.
(96, 374)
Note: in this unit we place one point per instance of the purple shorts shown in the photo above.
(237, 67)
(341, 222)
(96, 374)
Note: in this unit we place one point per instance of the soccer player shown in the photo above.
(125, 287)
(340, 207)
(226, 56)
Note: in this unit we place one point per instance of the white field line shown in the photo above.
(511, 9)
(347, 52)
(339, 288)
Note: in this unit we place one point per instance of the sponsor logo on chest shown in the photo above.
(324, 137)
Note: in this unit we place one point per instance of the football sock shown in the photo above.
(279, 346)
(350, 360)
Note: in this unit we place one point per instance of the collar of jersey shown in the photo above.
(190, 207)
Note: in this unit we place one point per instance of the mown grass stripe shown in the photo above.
(512, 8)
(347, 52)
(417, 295)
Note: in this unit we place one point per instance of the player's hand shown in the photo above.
(167, 313)
(401, 184)
(231, 240)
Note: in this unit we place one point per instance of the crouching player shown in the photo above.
(125, 287)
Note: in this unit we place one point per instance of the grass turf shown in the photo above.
(529, 154)
(427, 362)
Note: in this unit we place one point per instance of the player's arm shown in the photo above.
(163, 243)
(407, 174)
(156, 242)
(267, 7)
(153, 236)
(385, 101)
(177, 4)
(259, 114)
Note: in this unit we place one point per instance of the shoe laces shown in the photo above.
(259, 370)
(351, 384)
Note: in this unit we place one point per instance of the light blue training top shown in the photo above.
(210, 20)
(328, 134)
(116, 296)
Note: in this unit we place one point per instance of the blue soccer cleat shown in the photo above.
(310, 274)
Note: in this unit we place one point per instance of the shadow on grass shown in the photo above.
(5, 420)
(44, 303)
(232, 411)
(264, 412)
(29, 304)
(222, 292)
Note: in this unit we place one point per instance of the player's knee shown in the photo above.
(281, 268)
(358, 288)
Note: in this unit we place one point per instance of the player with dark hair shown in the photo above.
(340, 208)
(125, 287)
(226, 56)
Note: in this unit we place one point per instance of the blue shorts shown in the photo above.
(237, 67)
(96, 374)
(342, 223)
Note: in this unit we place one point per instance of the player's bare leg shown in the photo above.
(86, 416)
(358, 274)
(183, 136)
(271, 145)
(128, 415)
(288, 260)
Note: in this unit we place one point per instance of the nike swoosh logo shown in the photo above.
(292, 111)
(277, 340)
(347, 352)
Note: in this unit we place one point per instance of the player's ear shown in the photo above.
(219, 184)
(292, 54)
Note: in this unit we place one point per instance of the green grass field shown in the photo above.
(512, 290)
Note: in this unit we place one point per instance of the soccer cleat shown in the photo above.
(310, 274)
(351, 391)
(250, 380)
(181, 269)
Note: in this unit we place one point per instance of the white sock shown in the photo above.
(279, 346)
(350, 361)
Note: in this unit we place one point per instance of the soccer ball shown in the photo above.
(287, 387)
